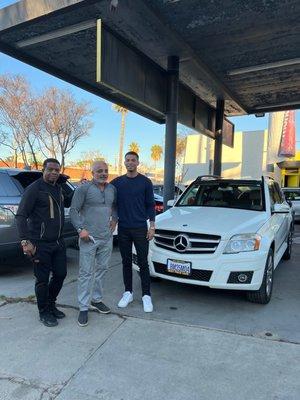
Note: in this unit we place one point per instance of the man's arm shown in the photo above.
(114, 211)
(149, 202)
(25, 209)
(76, 206)
(150, 209)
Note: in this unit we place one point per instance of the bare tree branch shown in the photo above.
(65, 121)
(17, 114)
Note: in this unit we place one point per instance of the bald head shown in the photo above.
(100, 172)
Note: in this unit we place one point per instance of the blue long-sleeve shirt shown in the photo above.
(135, 201)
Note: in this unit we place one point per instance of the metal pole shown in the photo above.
(171, 129)
(219, 137)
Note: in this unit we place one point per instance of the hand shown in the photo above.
(29, 249)
(112, 225)
(84, 235)
(150, 233)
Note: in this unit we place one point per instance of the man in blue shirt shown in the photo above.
(135, 205)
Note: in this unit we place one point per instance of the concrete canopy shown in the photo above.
(247, 53)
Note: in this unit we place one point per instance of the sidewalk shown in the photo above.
(117, 358)
(198, 344)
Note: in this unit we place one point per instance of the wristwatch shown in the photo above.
(25, 242)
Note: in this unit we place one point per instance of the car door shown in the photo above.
(9, 201)
(286, 220)
(279, 221)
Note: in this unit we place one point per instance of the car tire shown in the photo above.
(288, 252)
(264, 293)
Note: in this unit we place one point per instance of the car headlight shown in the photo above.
(245, 242)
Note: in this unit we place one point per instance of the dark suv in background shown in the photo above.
(12, 185)
(159, 196)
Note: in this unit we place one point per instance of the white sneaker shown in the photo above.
(125, 300)
(147, 303)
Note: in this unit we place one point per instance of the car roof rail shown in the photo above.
(208, 177)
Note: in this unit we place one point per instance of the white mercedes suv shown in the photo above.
(225, 234)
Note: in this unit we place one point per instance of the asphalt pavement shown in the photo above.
(198, 343)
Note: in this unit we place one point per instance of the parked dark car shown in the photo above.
(159, 199)
(12, 185)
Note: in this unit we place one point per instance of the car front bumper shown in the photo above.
(212, 270)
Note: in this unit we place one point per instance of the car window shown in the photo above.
(279, 196)
(224, 194)
(7, 186)
(24, 179)
(158, 189)
(293, 195)
(272, 193)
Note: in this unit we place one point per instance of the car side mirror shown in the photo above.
(170, 203)
(281, 208)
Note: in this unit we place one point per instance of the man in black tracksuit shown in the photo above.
(40, 220)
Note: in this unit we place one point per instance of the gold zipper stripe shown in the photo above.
(51, 207)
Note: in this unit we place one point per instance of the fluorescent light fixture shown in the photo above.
(57, 33)
(261, 67)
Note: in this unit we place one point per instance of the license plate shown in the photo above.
(179, 267)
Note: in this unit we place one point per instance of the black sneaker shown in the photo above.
(101, 307)
(83, 318)
(56, 312)
(48, 319)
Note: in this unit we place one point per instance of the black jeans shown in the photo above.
(49, 257)
(137, 236)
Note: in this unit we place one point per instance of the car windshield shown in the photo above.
(292, 195)
(230, 194)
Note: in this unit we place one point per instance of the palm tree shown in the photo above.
(180, 153)
(134, 146)
(123, 112)
(156, 153)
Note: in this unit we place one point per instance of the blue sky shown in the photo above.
(104, 136)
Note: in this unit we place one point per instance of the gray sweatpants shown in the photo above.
(93, 265)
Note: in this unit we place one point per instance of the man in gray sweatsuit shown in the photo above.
(94, 216)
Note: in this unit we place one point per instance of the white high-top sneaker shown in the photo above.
(147, 303)
(125, 300)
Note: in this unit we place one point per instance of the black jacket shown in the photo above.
(40, 215)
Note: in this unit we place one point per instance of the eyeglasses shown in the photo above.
(101, 171)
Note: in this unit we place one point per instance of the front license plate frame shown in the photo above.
(179, 267)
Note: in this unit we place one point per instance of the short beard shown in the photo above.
(99, 180)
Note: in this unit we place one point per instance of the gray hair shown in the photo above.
(98, 162)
